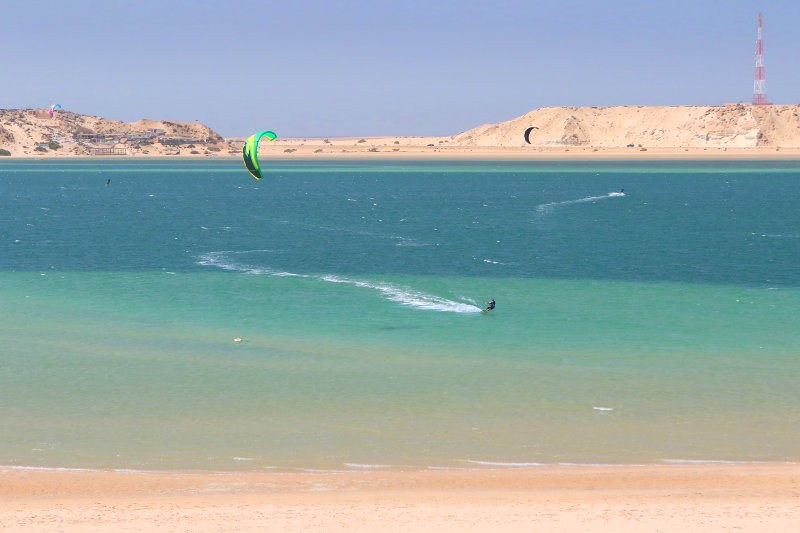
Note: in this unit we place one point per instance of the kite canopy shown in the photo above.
(528, 132)
(250, 152)
(53, 108)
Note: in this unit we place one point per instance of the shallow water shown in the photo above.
(658, 325)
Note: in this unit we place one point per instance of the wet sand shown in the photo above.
(669, 498)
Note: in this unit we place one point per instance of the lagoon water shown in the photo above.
(656, 326)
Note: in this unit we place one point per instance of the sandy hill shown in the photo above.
(734, 126)
(29, 133)
(23, 130)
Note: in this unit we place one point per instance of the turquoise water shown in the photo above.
(658, 325)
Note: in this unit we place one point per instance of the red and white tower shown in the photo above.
(759, 85)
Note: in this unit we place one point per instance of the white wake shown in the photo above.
(405, 296)
(544, 208)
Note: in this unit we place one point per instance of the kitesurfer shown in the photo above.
(489, 306)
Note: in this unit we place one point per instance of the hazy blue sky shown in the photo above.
(374, 67)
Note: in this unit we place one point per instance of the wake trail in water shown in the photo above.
(402, 295)
(223, 260)
(546, 208)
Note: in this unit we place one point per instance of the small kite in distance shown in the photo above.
(528, 132)
(250, 152)
(53, 108)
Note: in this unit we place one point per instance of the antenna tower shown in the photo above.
(759, 86)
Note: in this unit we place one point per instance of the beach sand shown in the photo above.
(411, 148)
(668, 498)
(383, 148)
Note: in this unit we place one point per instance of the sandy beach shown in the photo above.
(669, 498)
(385, 148)
(309, 151)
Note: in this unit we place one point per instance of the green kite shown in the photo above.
(250, 152)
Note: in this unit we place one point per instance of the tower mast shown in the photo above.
(759, 84)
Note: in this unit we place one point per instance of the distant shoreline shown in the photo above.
(309, 151)
(630, 132)
(620, 132)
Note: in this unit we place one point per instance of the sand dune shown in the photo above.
(731, 126)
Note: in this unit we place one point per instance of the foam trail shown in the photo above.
(404, 296)
(223, 261)
(408, 297)
(544, 208)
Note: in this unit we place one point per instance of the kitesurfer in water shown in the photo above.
(489, 306)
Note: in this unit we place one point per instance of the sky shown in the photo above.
(386, 67)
